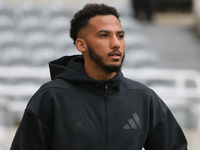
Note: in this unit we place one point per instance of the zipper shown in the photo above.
(106, 122)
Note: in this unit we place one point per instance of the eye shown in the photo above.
(121, 36)
(104, 35)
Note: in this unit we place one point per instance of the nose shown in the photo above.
(115, 43)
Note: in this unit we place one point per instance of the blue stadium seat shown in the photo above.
(6, 24)
(11, 53)
(26, 10)
(31, 25)
(56, 10)
(63, 42)
(58, 25)
(6, 11)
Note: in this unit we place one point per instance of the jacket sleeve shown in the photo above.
(166, 135)
(32, 134)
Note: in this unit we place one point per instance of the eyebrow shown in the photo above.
(121, 31)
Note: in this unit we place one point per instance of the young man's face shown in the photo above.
(105, 42)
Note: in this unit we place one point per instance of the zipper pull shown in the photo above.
(106, 88)
(106, 85)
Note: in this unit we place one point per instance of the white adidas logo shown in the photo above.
(134, 122)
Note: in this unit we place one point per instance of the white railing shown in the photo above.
(17, 73)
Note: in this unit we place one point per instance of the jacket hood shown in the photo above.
(71, 68)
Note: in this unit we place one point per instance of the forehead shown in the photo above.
(104, 22)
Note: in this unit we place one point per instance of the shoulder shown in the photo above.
(60, 84)
(129, 84)
(49, 91)
(147, 94)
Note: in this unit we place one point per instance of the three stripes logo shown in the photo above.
(134, 122)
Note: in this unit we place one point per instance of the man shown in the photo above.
(89, 105)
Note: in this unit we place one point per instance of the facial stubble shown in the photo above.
(99, 61)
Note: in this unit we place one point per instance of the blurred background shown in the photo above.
(162, 51)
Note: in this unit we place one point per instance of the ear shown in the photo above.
(81, 45)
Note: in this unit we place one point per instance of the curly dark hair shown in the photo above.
(82, 17)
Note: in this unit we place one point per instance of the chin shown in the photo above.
(112, 68)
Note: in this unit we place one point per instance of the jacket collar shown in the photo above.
(70, 68)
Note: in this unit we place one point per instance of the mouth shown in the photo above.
(116, 54)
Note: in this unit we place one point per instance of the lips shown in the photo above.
(116, 54)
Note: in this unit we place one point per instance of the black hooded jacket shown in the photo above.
(76, 112)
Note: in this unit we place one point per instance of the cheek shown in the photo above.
(123, 46)
(101, 48)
